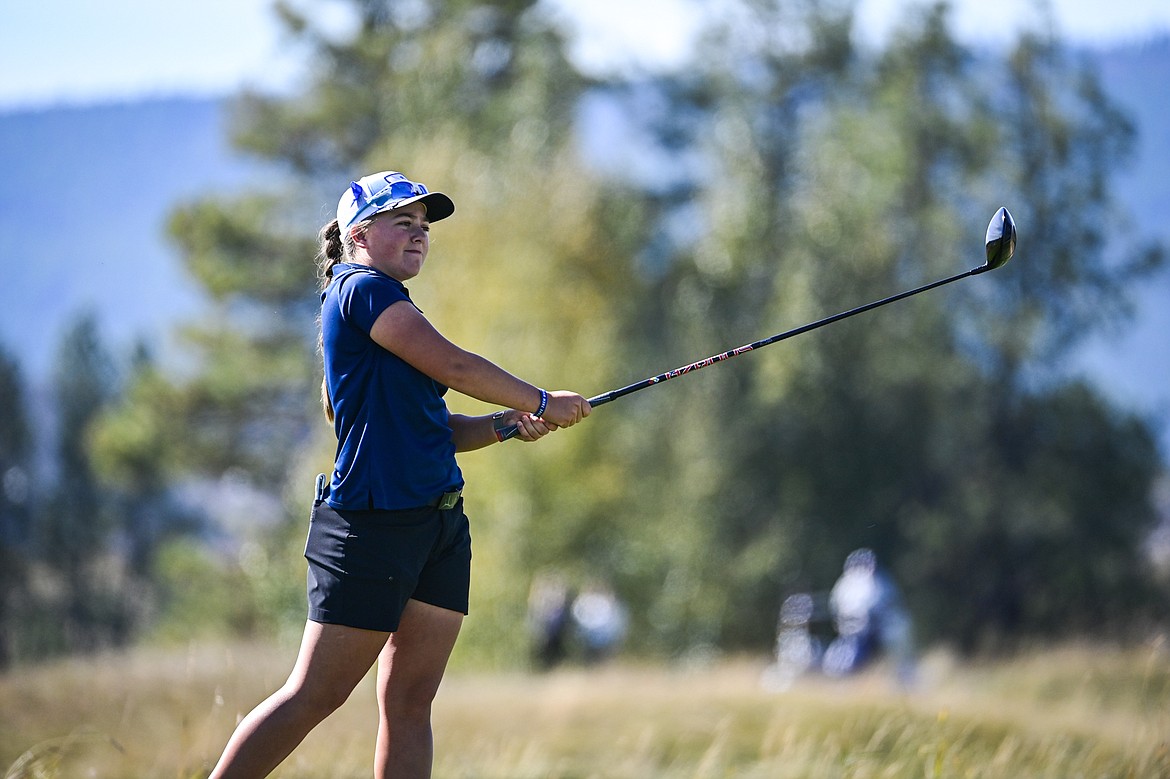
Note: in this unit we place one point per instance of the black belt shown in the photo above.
(446, 501)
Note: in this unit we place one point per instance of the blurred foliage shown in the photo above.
(804, 175)
(16, 448)
(834, 177)
(245, 594)
(78, 591)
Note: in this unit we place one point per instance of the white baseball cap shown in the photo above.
(385, 191)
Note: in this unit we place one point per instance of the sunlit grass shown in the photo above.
(1072, 712)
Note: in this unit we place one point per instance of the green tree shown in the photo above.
(134, 456)
(829, 177)
(721, 520)
(16, 447)
(1068, 503)
(86, 599)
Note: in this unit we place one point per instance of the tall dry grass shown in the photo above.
(1068, 712)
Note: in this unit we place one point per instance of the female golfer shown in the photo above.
(389, 547)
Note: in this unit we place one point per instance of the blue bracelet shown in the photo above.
(543, 403)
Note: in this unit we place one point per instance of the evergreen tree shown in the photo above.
(87, 606)
(15, 501)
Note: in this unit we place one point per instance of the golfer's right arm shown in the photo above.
(403, 330)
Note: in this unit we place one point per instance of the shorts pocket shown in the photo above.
(325, 545)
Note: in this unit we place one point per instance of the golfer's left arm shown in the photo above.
(476, 432)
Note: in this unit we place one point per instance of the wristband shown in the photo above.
(498, 426)
(543, 404)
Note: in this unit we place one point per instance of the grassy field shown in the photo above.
(1065, 713)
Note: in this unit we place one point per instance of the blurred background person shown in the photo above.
(870, 618)
(599, 620)
(798, 650)
(549, 621)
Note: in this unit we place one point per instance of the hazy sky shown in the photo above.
(54, 51)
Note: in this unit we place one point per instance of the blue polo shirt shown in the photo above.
(394, 441)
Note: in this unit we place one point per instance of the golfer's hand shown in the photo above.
(528, 427)
(565, 409)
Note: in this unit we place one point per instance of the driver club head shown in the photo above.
(1001, 239)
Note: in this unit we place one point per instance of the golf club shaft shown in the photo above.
(606, 397)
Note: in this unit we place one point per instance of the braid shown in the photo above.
(332, 251)
(335, 248)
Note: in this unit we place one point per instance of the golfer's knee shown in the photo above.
(317, 702)
(412, 707)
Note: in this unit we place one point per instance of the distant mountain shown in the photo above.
(83, 201)
(86, 191)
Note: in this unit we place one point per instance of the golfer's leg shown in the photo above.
(409, 671)
(332, 660)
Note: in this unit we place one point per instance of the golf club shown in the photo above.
(1000, 245)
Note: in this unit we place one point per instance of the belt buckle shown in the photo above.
(449, 500)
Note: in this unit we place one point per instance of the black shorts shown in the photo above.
(365, 565)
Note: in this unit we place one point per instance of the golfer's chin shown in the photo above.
(409, 267)
(412, 263)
